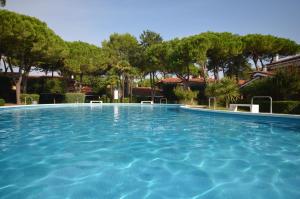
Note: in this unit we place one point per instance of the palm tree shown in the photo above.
(2, 3)
(229, 90)
(226, 89)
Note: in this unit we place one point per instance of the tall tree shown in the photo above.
(263, 48)
(150, 62)
(25, 42)
(148, 38)
(84, 59)
(2, 3)
(122, 52)
(184, 54)
(222, 47)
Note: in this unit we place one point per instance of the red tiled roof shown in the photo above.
(86, 89)
(241, 82)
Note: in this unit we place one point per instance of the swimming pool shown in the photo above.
(134, 151)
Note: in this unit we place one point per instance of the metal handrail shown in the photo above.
(269, 97)
(161, 99)
(215, 99)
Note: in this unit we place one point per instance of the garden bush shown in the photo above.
(2, 102)
(283, 86)
(287, 107)
(185, 96)
(126, 100)
(74, 98)
(29, 98)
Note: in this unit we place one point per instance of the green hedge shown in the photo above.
(287, 107)
(74, 98)
(2, 102)
(29, 98)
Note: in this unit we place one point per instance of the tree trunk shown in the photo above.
(151, 85)
(80, 78)
(24, 84)
(255, 60)
(122, 87)
(18, 83)
(25, 78)
(223, 70)
(9, 65)
(130, 90)
(204, 72)
(216, 73)
(5, 67)
(262, 64)
(272, 59)
(186, 84)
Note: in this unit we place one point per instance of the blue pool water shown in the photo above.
(84, 152)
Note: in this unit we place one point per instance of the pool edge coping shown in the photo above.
(277, 115)
(81, 104)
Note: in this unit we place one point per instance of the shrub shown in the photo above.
(74, 98)
(29, 98)
(2, 102)
(185, 96)
(125, 100)
(287, 107)
(283, 86)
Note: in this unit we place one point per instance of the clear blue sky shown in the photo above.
(94, 20)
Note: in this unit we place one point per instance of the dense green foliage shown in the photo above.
(83, 58)
(29, 98)
(74, 98)
(2, 102)
(185, 96)
(55, 86)
(225, 90)
(283, 86)
(286, 107)
(26, 42)
(264, 48)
